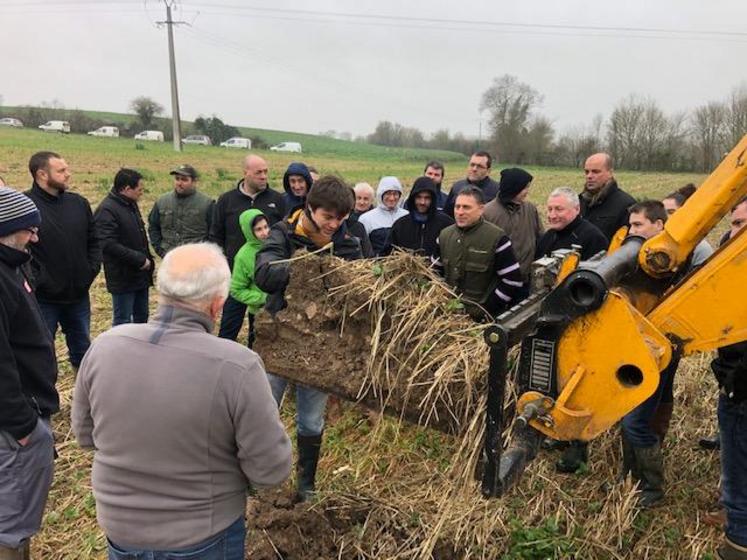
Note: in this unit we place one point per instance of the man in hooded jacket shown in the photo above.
(418, 231)
(379, 221)
(297, 181)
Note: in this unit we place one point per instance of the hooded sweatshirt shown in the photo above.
(291, 200)
(379, 221)
(419, 232)
(243, 288)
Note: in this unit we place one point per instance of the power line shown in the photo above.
(482, 23)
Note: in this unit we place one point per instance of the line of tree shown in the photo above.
(638, 134)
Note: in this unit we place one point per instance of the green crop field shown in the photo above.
(374, 473)
(313, 145)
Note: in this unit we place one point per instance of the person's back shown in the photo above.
(182, 422)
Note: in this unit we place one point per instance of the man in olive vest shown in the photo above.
(476, 258)
(181, 216)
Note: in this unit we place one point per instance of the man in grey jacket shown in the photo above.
(182, 422)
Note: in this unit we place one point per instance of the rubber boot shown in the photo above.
(23, 552)
(628, 466)
(308, 457)
(650, 466)
(550, 444)
(732, 551)
(711, 443)
(661, 420)
(575, 455)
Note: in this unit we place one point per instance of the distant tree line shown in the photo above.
(638, 133)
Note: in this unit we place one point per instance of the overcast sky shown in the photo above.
(316, 65)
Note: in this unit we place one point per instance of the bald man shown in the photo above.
(603, 203)
(182, 423)
(250, 192)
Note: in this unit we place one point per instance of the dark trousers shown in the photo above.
(226, 545)
(232, 320)
(637, 423)
(732, 423)
(75, 321)
(130, 307)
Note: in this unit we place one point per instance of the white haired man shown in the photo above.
(566, 227)
(183, 422)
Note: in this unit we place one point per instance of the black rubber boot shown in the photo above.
(711, 443)
(23, 552)
(732, 551)
(575, 455)
(550, 444)
(650, 466)
(308, 457)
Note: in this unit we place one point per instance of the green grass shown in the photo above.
(312, 144)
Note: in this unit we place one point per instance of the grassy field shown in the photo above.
(313, 145)
(374, 476)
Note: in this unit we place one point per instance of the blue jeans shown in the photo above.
(636, 424)
(232, 319)
(75, 320)
(226, 545)
(310, 405)
(732, 423)
(130, 307)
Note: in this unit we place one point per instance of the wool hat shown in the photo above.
(185, 170)
(17, 212)
(513, 181)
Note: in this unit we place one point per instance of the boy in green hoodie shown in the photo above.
(244, 293)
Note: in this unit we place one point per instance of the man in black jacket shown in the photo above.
(28, 373)
(319, 224)
(67, 257)
(566, 227)
(418, 231)
(603, 203)
(478, 175)
(128, 262)
(251, 192)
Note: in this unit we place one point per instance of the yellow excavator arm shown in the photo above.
(594, 349)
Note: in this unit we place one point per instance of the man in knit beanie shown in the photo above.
(518, 217)
(28, 373)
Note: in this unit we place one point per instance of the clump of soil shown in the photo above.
(387, 334)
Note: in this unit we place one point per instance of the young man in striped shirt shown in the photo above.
(476, 258)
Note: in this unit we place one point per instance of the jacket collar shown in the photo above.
(122, 199)
(595, 199)
(37, 190)
(474, 226)
(13, 257)
(177, 316)
(571, 226)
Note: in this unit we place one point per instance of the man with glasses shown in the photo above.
(478, 175)
(28, 373)
(67, 257)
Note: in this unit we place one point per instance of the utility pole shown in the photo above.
(172, 66)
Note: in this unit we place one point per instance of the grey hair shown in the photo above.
(195, 284)
(568, 193)
(364, 187)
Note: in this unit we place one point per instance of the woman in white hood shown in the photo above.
(378, 222)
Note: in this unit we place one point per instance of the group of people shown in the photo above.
(182, 422)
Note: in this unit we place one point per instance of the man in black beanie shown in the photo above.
(518, 217)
